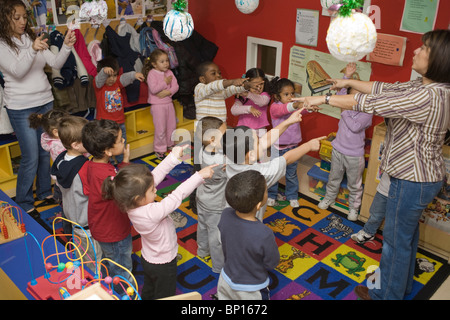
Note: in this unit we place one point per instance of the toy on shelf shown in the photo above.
(11, 223)
(61, 279)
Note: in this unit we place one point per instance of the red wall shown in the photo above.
(222, 23)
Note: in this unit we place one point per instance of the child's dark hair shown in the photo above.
(48, 121)
(202, 67)
(277, 84)
(245, 190)
(99, 135)
(110, 62)
(70, 130)
(205, 124)
(129, 186)
(152, 58)
(237, 142)
(252, 74)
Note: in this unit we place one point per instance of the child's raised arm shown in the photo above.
(295, 154)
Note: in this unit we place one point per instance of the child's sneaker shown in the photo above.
(272, 202)
(352, 214)
(324, 204)
(294, 203)
(160, 155)
(362, 237)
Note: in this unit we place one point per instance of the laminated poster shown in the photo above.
(419, 16)
(389, 50)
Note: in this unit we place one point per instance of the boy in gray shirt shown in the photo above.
(211, 195)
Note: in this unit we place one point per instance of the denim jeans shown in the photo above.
(292, 184)
(377, 213)
(404, 207)
(35, 161)
(119, 252)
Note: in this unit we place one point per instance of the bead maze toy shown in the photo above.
(61, 280)
(11, 223)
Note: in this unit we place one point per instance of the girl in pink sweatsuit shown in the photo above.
(134, 190)
(162, 85)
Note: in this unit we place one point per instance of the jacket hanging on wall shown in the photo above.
(190, 52)
(127, 58)
(68, 73)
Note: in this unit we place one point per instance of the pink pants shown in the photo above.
(165, 122)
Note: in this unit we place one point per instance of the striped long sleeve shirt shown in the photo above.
(418, 118)
(210, 99)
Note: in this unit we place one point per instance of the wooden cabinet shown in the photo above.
(372, 177)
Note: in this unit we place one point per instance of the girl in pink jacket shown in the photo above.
(162, 85)
(134, 190)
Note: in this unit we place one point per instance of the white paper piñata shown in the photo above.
(351, 38)
(247, 6)
(178, 25)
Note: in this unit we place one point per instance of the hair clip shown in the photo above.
(112, 178)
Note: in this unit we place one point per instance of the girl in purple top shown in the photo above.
(251, 106)
(283, 90)
(348, 155)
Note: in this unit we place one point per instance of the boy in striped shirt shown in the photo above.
(211, 92)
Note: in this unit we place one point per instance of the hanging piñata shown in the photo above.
(351, 35)
(178, 24)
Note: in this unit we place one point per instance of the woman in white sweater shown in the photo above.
(27, 90)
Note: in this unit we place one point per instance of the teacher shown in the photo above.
(23, 57)
(419, 114)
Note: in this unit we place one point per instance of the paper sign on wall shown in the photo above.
(419, 16)
(307, 27)
(389, 49)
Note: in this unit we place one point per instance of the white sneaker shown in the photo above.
(294, 203)
(362, 237)
(272, 202)
(324, 204)
(352, 214)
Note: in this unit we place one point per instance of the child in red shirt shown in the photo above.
(108, 87)
(107, 224)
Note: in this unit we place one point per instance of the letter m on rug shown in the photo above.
(339, 286)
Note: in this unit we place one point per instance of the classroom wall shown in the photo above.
(222, 23)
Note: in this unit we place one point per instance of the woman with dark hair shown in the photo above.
(418, 114)
(28, 91)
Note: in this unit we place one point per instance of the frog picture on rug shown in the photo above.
(352, 262)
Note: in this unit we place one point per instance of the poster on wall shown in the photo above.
(129, 8)
(307, 27)
(419, 16)
(40, 12)
(159, 8)
(389, 49)
(311, 69)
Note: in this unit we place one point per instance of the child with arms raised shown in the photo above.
(162, 85)
(211, 92)
(283, 91)
(134, 190)
(108, 86)
(251, 106)
(210, 196)
(108, 224)
(347, 156)
(249, 246)
(243, 148)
